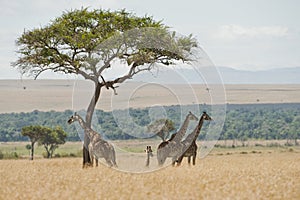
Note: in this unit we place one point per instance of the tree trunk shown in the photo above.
(90, 111)
(47, 151)
(86, 157)
(32, 150)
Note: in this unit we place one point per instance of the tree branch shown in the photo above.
(133, 70)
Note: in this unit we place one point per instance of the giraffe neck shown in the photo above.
(194, 135)
(84, 126)
(198, 128)
(180, 134)
(81, 122)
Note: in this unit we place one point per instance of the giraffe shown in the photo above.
(149, 154)
(99, 147)
(173, 147)
(189, 144)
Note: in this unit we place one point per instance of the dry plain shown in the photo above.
(45, 95)
(250, 174)
(265, 175)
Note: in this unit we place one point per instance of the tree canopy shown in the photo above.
(34, 133)
(52, 139)
(162, 128)
(71, 43)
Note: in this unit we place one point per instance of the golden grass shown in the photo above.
(235, 176)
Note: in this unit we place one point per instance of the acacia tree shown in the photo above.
(34, 133)
(88, 43)
(161, 128)
(51, 139)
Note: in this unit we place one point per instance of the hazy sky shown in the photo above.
(243, 34)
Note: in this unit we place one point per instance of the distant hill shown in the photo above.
(228, 75)
(273, 76)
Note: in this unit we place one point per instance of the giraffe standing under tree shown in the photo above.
(99, 147)
(190, 141)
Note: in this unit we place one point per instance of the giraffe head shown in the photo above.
(191, 116)
(73, 118)
(149, 151)
(206, 116)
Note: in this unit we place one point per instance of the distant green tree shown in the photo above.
(34, 133)
(51, 139)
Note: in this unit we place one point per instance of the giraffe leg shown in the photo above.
(114, 158)
(161, 157)
(90, 147)
(96, 159)
(194, 158)
(189, 160)
(179, 160)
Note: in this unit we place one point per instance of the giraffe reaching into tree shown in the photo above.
(190, 141)
(99, 147)
(149, 154)
(173, 147)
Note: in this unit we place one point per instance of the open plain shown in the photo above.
(59, 95)
(265, 175)
(223, 174)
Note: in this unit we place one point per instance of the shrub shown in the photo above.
(57, 155)
(72, 155)
(258, 145)
(274, 144)
(15, 155)
(1, 155)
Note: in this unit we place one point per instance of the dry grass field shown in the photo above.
(240, 173)
(265, 175)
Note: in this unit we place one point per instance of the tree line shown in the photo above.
(243, 122)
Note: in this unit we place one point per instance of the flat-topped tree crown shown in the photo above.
(68, 44)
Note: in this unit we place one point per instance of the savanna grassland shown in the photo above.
(254, 172)
(240, 173)
(46, 95)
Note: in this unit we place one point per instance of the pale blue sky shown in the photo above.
(243, 34)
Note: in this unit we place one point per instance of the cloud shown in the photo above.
(236, 31)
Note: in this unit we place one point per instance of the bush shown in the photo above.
(57, 155)
(258, 145)
(274, 144)
(1, 155)
(12, 155)
(15, 155)
(220, 146)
